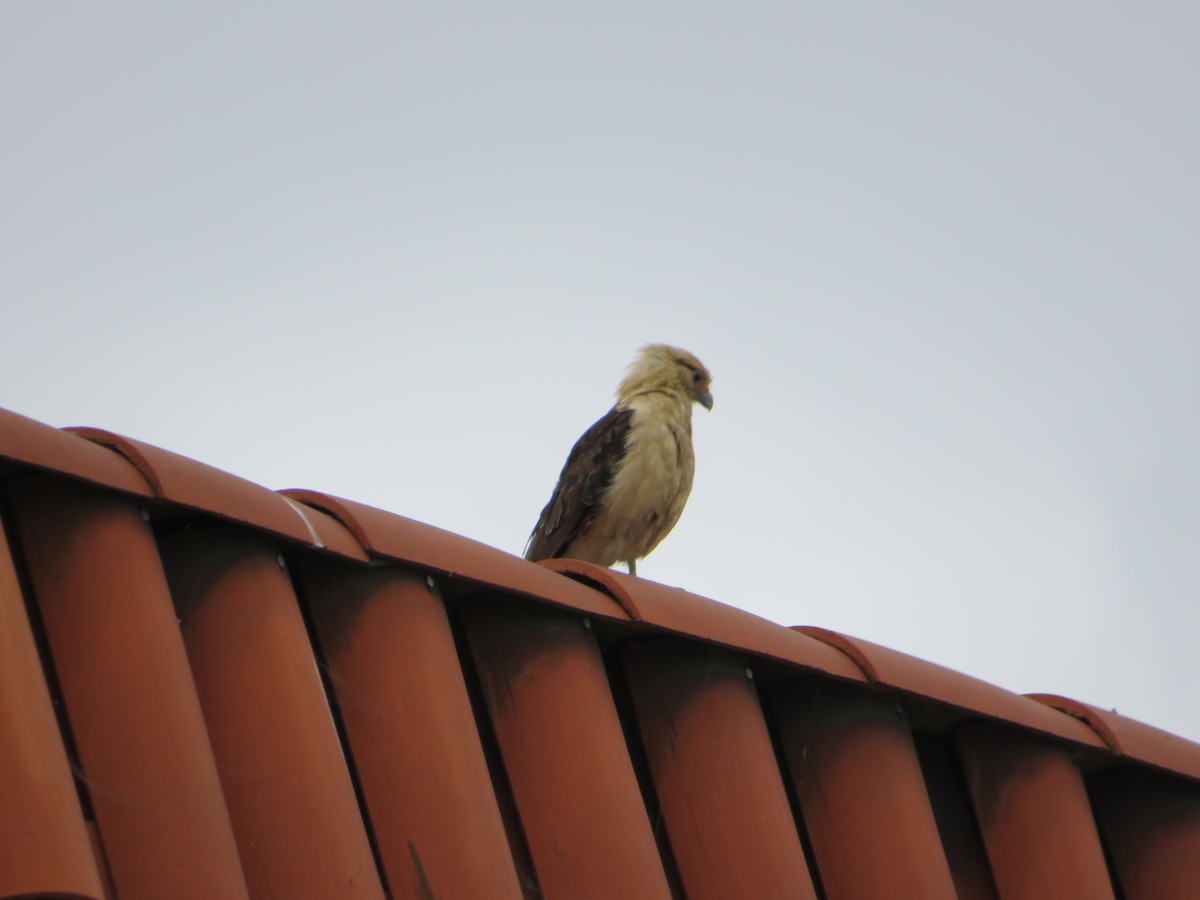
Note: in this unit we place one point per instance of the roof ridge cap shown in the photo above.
(597, 577)
(843, 644)
(122, 446)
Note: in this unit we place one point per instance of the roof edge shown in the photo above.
(845, 645)
(1086, 714)
(124, 447)
(1131, 738)
(596, 577)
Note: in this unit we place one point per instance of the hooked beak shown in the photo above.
(705, 400)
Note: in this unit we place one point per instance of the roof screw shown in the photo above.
(899, 711)
(429, 582)
(749, 673)
(587, 623)
(145, 515)
(282, 564)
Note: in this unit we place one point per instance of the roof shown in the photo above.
(213, 690)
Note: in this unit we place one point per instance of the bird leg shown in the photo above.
(633, 567)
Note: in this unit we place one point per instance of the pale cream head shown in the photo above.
(659, 367)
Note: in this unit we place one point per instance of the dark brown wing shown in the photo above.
(581, 485)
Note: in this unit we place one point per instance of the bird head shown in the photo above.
(659, 367)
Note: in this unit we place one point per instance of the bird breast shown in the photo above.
(652, 483)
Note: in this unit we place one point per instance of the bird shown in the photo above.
(626, 480)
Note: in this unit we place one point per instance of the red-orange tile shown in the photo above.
(564, 752)
(110, 892)
(961, 840)
(394, 669)
(129, 696)
(24, 440)
(460, 808)
(1150, 822)
(291, 800)
(885, 666)
(44, 846)
(1131, 738)
(394, 537)
(193, 484)
(684, 613)
(718, 785)
(328, 533)
(861, 792)
(1034, 814)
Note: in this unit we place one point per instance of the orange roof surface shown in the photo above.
(213, 690)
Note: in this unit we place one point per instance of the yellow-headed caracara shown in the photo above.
(627, 479)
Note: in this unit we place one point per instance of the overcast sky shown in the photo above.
(942, 259)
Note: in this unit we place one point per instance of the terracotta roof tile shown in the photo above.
(26, 441)
(44, 842)
(212, 690)
(1150, 823)
(384, 634)
(894, 669)
(289, 793)
(1129, 737)
(684, 613)
(388, 536)
(131, 704)
(198, 486)
(730, 836)
(1032, 807)
(565, 753)
(853, 761)
(962, 841)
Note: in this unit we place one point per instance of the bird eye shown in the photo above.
(696, 378)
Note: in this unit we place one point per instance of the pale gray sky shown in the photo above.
(941, 258)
